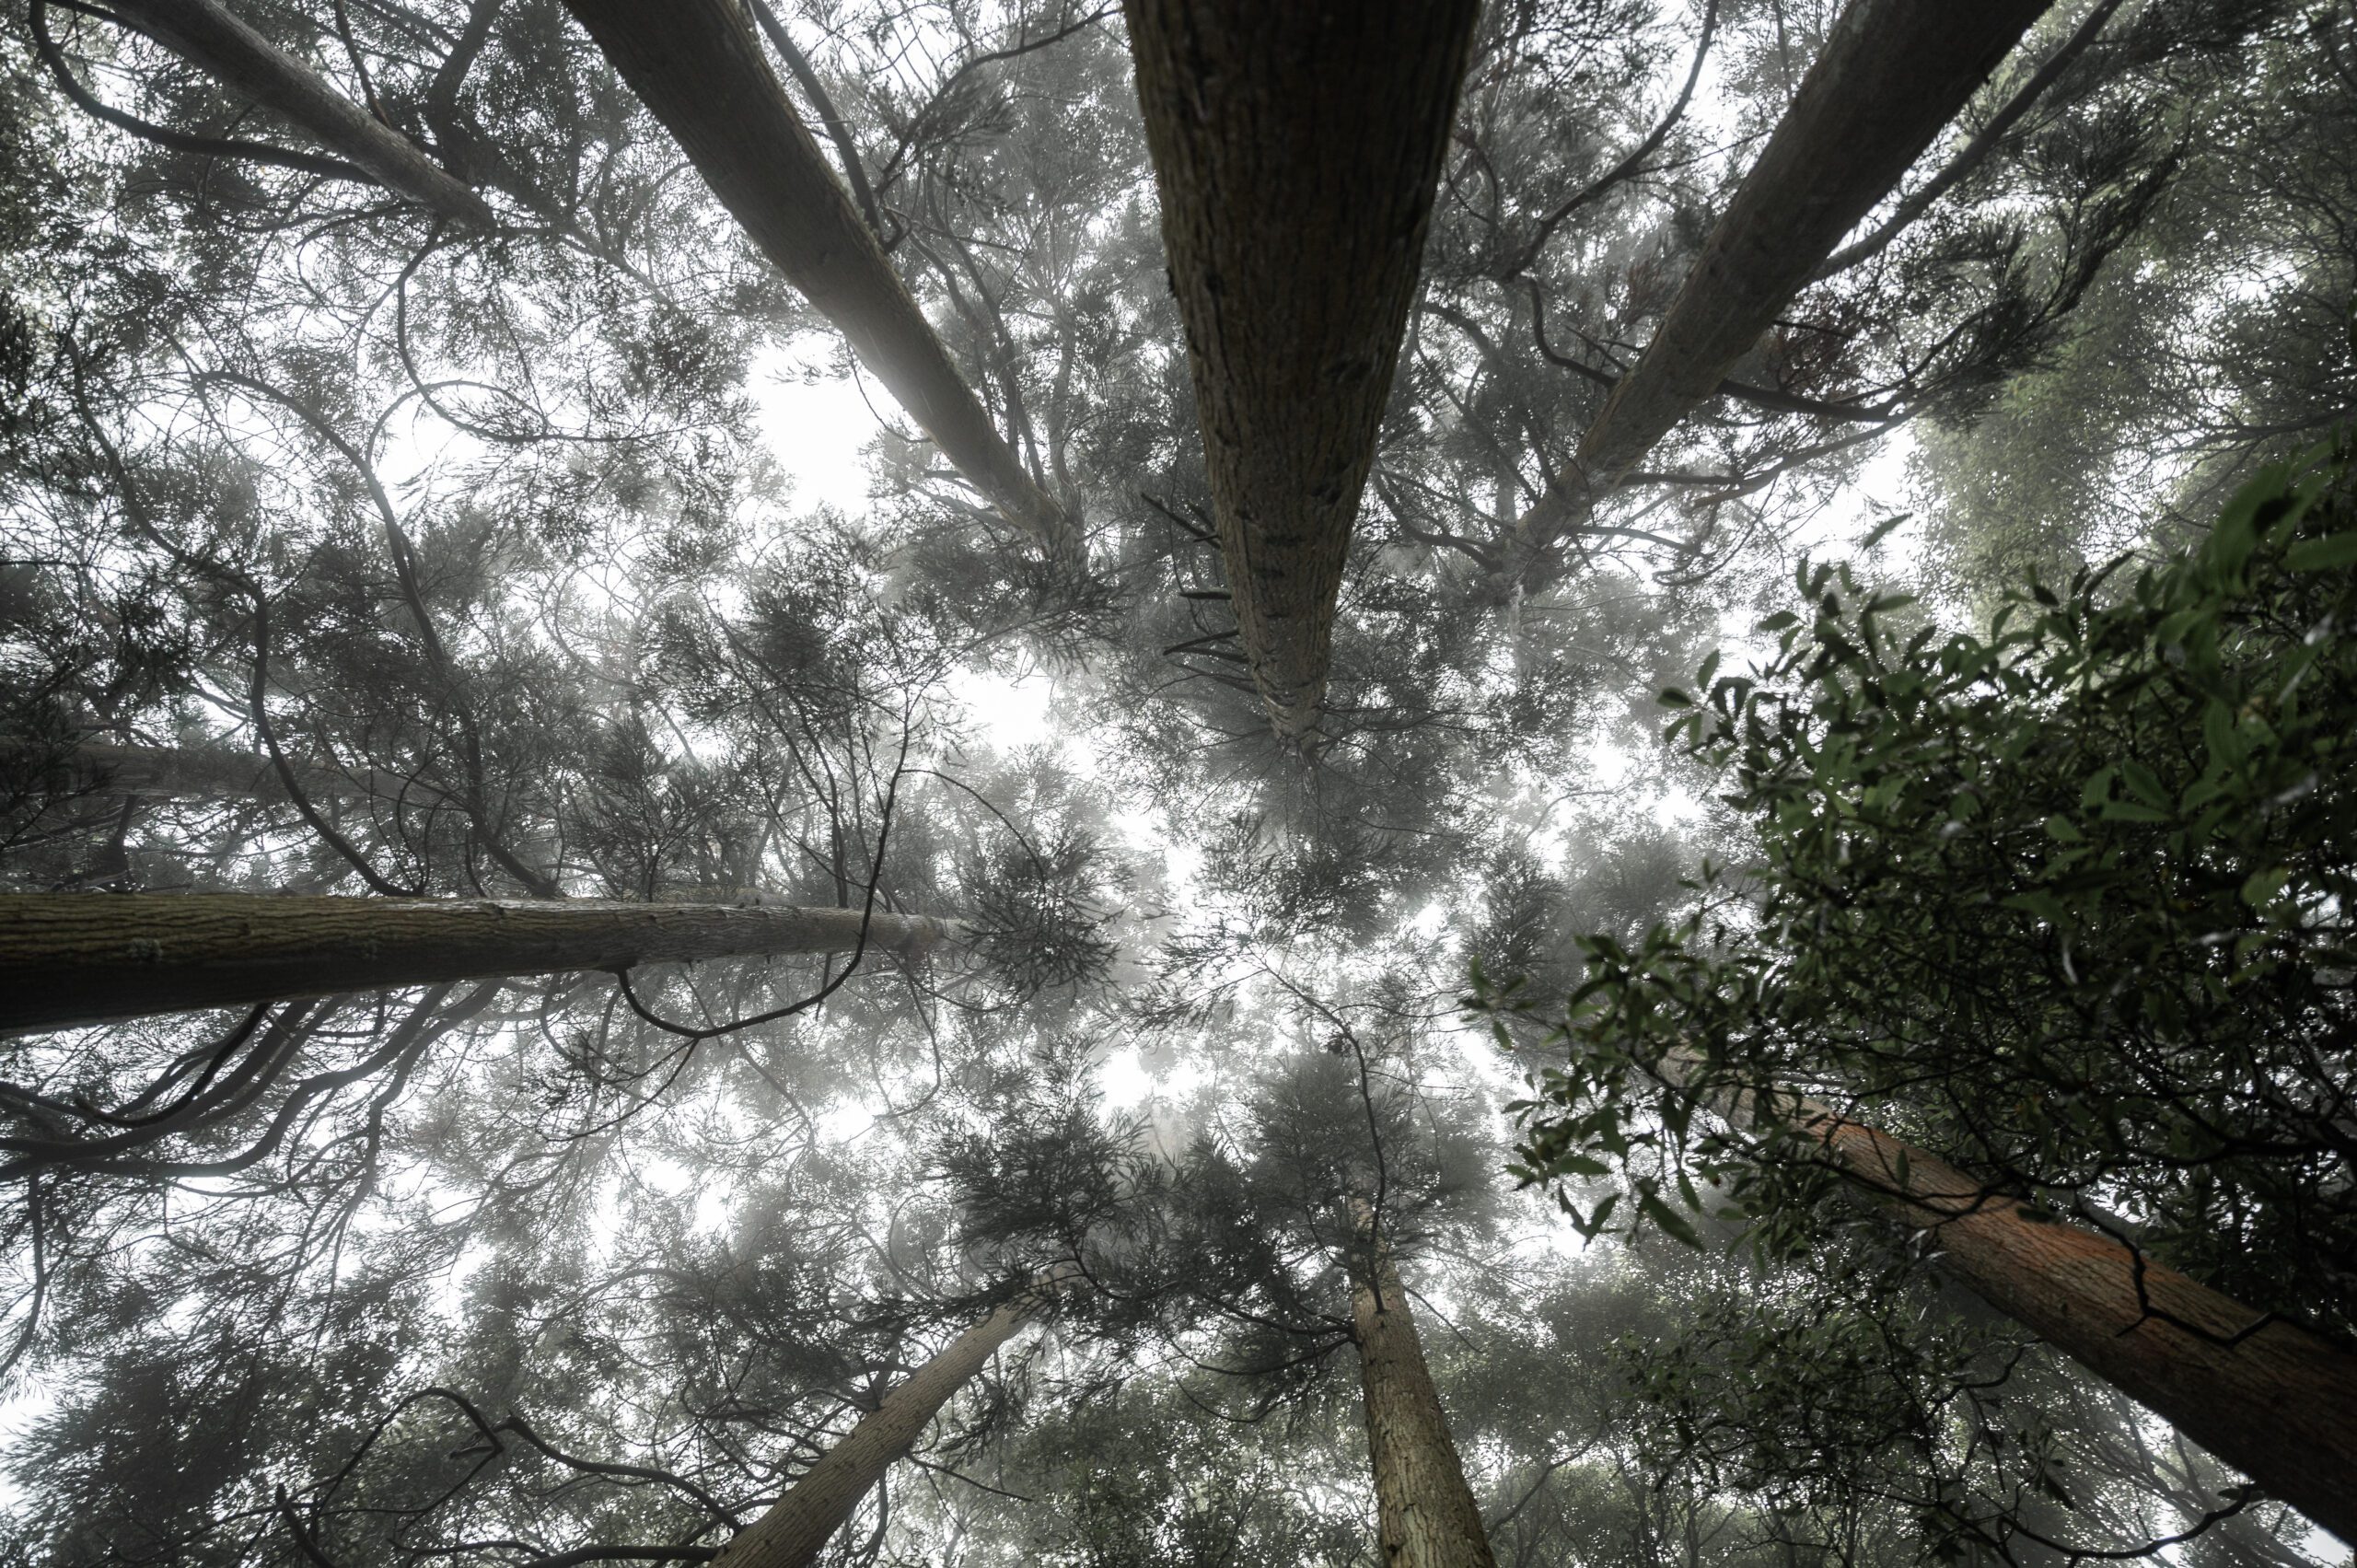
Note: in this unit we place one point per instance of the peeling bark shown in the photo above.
(1296, 149)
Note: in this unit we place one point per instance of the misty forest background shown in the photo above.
(1140, 977)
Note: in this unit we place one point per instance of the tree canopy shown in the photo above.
(1010, 781)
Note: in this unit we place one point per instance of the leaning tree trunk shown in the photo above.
(2268, 1398)
(206, 35)
(73, 958)
(699, 68)
(1426, 1516)
(1295, 148)
(794, 1532)
(1893, 73)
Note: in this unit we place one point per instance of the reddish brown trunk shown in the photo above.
(1426, 1516)
(698, 66)
(73, 958)
(2277, 1402)
(1296, 149)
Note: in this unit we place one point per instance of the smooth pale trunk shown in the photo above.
(208, 36)
(68, 960)
(1296, 149)
(698, 66)
(1426, 1516)
(2278, 1403)
(1892, 75)
(799, 1527)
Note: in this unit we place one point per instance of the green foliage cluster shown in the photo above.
(2067, 905)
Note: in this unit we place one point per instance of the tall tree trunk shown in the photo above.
(205, 34)
(1892, 75)
(2277, 1402)
(698, 66)
(73, 958)
(1296, 149)
(167, 773)
(792, 1533)
(1426, 1516)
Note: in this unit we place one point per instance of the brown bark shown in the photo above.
(698, 68)
(2277, 1402)
(794, 1532)
(1892, 75)
(72, 959)
(206, 35)
(1426, 1516)
(1296, 149)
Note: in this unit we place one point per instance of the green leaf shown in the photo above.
(1672, 1223)
(2260, 887)
(2059, 829)
(2328, 553)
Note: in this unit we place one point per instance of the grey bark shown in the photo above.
(1425, 1514)
(2268, 1398)
(699, 68)
(170, 772)
(799, 1527)
(205, 33)
(1892, 75)
(68, 960)
(1296, 149)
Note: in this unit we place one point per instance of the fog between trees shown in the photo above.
(1683, 898)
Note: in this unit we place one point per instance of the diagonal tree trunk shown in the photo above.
(1426, 1516)
(2277, 1402)
(797, 1528)
(1892, 75)
(205, 33)
(1296, 149)
(698, 68)
(72, 959)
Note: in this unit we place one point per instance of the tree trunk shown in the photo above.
(1296, 149)
(2277, 1402)
(167, 773)
(72, 959)
(1892, 75)
(206, 35)
(698, 68)
(1426, 1516)
(794, 1532)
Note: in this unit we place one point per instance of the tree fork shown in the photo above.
(205, 33)
(1892, 75)
(1296, 149)
(1425, 1514)
(67, 960)
(2267, 1396)
(697, 66)
(800, 1523)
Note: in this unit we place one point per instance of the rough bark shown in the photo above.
(699, 68)
(797, 1528)
(164, 773)
(72, 959)
(1296, 149)
(2275, 1401)
(206, 35)
(1426, 1516)
(1892, 75)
